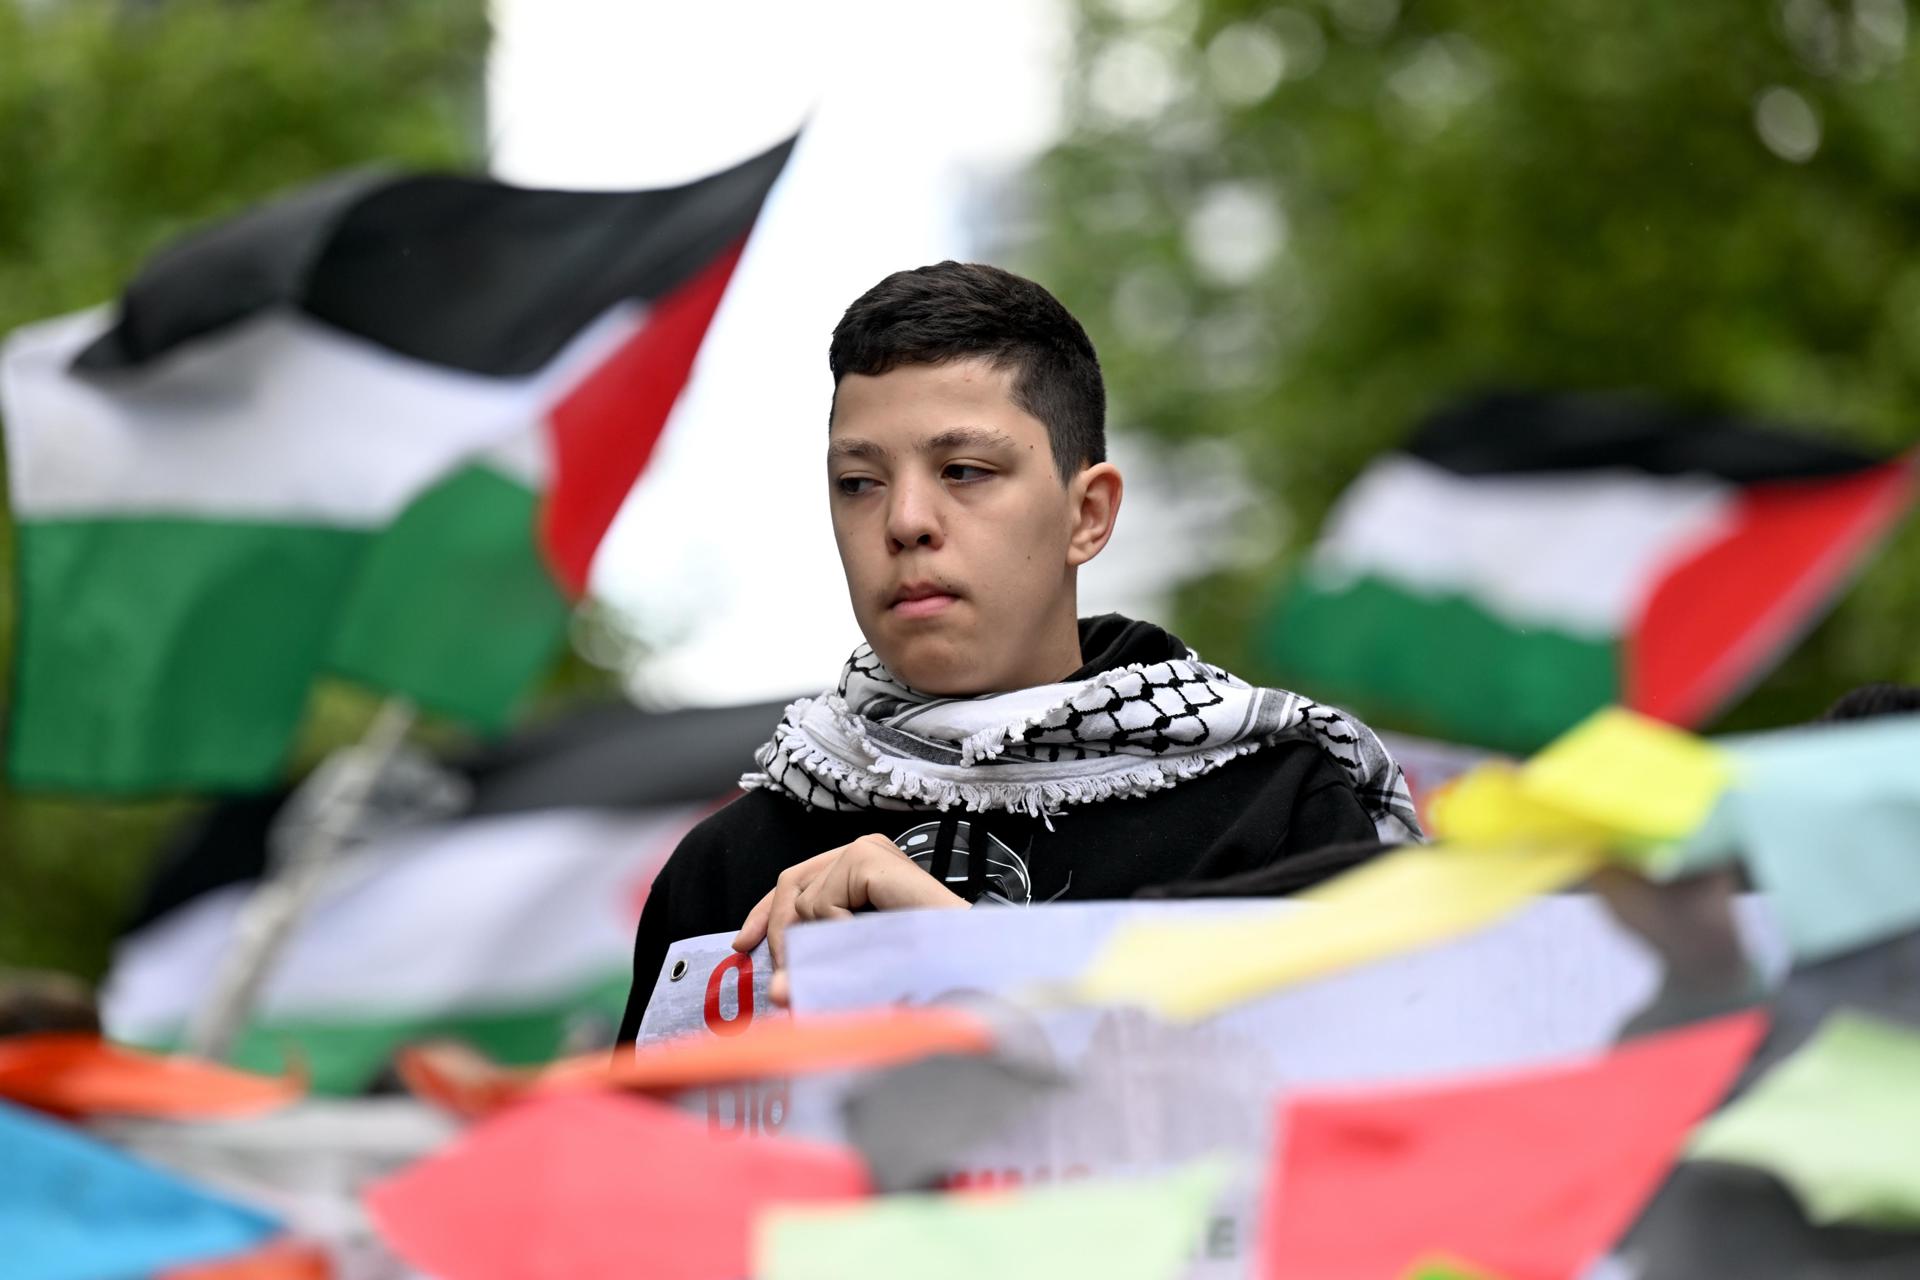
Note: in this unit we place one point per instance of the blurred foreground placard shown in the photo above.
(1557, 979)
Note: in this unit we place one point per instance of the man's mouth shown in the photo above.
(920, 600)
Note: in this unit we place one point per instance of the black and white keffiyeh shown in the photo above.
(874, 743)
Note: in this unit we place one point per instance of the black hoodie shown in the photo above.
(1263, 808)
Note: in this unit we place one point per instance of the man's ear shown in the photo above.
(1094, 495)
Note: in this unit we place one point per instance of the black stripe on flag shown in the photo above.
(1514, 433)
(464, 272)
(611, 758)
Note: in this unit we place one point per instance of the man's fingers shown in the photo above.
(824, 899)
(829, 897)
(755, 927)
(827, 886)
(777, 989)
(782, 915)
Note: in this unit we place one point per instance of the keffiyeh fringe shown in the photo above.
(874, 743)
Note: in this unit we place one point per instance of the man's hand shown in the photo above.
(870, 872)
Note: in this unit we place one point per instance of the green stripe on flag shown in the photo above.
(1437, 665)
(343, 1054)
(159, 654)
(453, 606)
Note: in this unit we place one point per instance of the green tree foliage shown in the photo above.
(1302, 226)
(121, 126)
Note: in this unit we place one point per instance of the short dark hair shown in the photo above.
(1871, 700)
(957, 310)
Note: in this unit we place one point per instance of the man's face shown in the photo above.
(955, 531)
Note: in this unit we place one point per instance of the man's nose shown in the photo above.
(913, 518)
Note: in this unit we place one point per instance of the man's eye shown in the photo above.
(854, 486)
(961, 473)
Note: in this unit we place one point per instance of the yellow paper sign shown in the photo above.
(1646, 780)
(1490, 805)
(1415, 897)
(1617, 779)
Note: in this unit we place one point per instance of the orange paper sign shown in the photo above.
(462, 1081)
(80, 1074)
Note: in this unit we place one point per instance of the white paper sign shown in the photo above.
(1554, 980)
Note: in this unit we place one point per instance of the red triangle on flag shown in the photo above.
(604, 431)
(1713, 622)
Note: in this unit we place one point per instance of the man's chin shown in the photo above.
(932, 665)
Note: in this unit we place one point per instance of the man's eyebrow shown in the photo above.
(861, 449)
(947, 441)
(968, 438)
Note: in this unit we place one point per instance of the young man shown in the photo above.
(986, 743)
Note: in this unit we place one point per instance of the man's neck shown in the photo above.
(1059, 658)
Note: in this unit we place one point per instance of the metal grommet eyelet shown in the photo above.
(679, 971)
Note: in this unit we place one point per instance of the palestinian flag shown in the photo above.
(1525, 560)
(376, 428)
(508, 924)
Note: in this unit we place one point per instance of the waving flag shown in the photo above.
(1526, 560)
(508, 924)
(377, 428)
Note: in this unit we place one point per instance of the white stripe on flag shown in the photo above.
(1576, 551)
(279, 418)
(493, 913)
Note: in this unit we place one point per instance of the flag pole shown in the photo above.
(345, 785)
